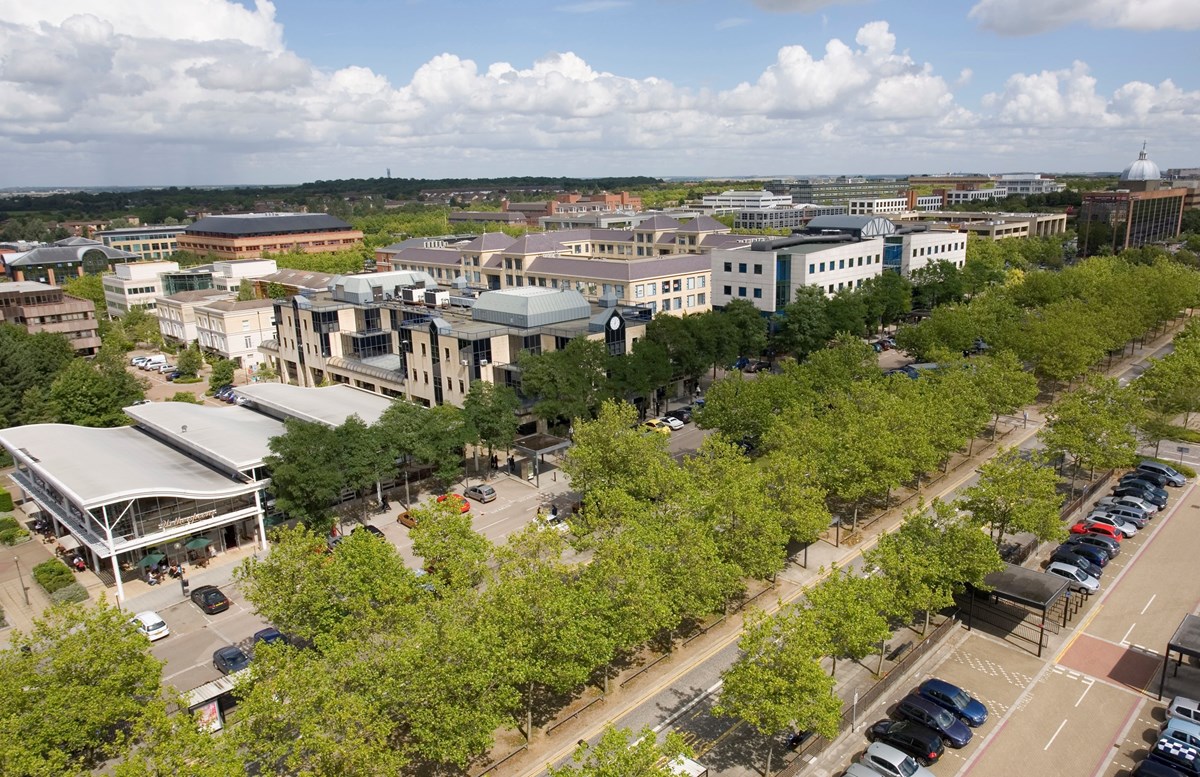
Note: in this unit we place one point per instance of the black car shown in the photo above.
(230, 659)
(1145, 485)
(1132, 488)
(921, 742)
(1069, 556)
(1106, 544)
(210, 599)
(683, 415)
(1157, 479)
(1097, 556)
(369, 529)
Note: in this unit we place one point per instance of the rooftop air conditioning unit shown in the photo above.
(416, 295)
(465, 362)
(483, 362)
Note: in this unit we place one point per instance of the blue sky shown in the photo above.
(139, 92)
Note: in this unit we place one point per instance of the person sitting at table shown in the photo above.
(150, 578)
(78, 563)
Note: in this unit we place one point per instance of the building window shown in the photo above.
(666, 304)
(699, 299)
(728, 291)
(758, 269)
(741, 291)
(652, 289)
(822, 267)
(729, 267)
(842, 264)
(741, 267)
(758, 293)
(812, 268)
(691, 300)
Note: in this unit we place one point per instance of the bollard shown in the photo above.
(183, 584)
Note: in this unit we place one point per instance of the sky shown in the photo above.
(217, 92)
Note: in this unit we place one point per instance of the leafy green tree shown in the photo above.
(611, 453)
(440, 441)
(937, 283)
(749, 327)
(1094, 424)
(94, 395)
(1170, 385)
(276, 291)
(222, 373)
(803, 326)
(246, 291)
(852, 612)
(1015, 494)
(185, 396)
(618, 754)
(1062, 341)
(89, 287)
(71, 689)
(455, 554)
(141, 327)
(304, 473)
(983, 267)
(777, 681)
(637, 376)
(490, 412)
(847, 312)
(36, 406)
(190, 362)
(174, 744)
(566, 384)
(798, 495)
(1005, 385)
(27, 361)
(889, 297)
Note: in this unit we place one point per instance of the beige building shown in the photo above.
(135, 284)
(177, 313)
(38, 307)
(994, 226)
(396, 334)
(147, 242)
(250, 235)
(235, 330)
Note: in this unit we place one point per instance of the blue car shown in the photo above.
(946, 723)
(1096, 556)
(951, 697)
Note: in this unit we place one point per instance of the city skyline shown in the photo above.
(211, 92)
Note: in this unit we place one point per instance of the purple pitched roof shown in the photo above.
(657, 223)
(537, 243)
(489, 241)
(442, 256)
(703, 224)
(620, 270)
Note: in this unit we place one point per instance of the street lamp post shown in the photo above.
(21, 579)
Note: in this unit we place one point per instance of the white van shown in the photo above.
(153, 362)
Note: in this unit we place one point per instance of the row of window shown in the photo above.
(758, 268)
(816, 267)
(944, 248)
(678, 284)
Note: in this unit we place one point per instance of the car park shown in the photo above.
(210, 599)
(949, 727)
(656, 425)
(1130, 515)
(1184, 708)
(1078, 579)
(481, 492)
(1129, 501)
(454, 499)
(921, 742)
(1108, 544)
(151, 625)
(1066, 556)
(230, 659)
(1173, 476)
(1183, 730)
(1097, 556)
(888, 761)
(1083, 527)
(955, 700)
(1126, 528)
(674, 423)
(1138, 491)
(1177, 755)
(1148, 485)
(1157, 479)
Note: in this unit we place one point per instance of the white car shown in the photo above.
(1119, 524)
(551, 522)
(1080, 580)
(672, 422)
(1128, 501)
(151, 625)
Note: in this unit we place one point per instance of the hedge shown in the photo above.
(53, 575)
(70, 593)
(6, 502)
(12, 532)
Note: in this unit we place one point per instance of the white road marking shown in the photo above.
(1085, 691)
(1060, 728)
(1125, 639)
(1147, 607)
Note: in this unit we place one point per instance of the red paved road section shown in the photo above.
(1117, 663)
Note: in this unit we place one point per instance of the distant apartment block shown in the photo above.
(38, 307)
(177, 313)
(993, 226)
(135, 284)
(839, 191)
(954, 182)
(731, 200)
(250, 235)
(147, 242)
(784, 217)
(1143, 210)
(64, 259)
(235, 330)
(877, 206)
(1027, 184)
(961, 196)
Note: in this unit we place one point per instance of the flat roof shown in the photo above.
(1026, 586)
(330, 405)
(100, 466)
(1186, 639)
(233, 436)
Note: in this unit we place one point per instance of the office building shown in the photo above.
(728, 201)
(784, 217)
(135, 284)
(64, 259)
(37, 307)
(147, 242)
(839, 191)
(1143, 210)
(250, 235)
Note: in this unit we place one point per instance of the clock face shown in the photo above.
(614, 323)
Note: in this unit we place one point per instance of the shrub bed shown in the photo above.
(11, 531)
(53, 575)
(69, 593)
(6, 503)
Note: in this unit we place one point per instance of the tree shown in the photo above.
(1094, 424)
(454, 553)
(1005, 385)
(937, 283)
(777, 681)
(983, 267)
(185, 396)
(71, 689)
(616, 756)
(190, 362)
(94, 395)
(637, 376)
(89, 287)
(852, 613)
(490, 412)
(749, 327)
(246, 291)
(440, 440)
(174, 744)
(847, 312)
(1015, 494)
(803, 326)
(682, 340)
(222, 373)
(27, 361)
(141, 327)
(304, 473)
(611, 453)
(889, 297)
(566, 384)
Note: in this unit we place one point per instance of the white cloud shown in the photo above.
(726, 24)
(1029, 17)
(799, 6)
(120, 96)
(593, 6)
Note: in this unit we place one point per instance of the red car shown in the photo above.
(463, 505)
(1097, 528)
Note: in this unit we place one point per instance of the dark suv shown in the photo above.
(925, 712)
(921, 742)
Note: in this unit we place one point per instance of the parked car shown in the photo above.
(1184, 708)
(1130, 515)
(1067, 556)
(923, 711)
(921, 742)
(369, 529)
(405, 518)
(1083, 527)
(552, 522)
(1138, 491)
(165, 368)
(1107, 544)
(672, 422)
(270, 635)
(1097, 556)
(1183, 730)
(463, 505)
(656, 425)
(480, 492)
(230, 659)
(1144, 481)
(1171, 752)
(740, 363)
(683, 415)
(1126, 528)
(954, 699)
(174, 374)
(1078, 579)
(886, 760)
(1173, 476)
(153, 362)
(1157, 479)
(136, 361)
(1129, 501)
(1152, 768)
(151, 625)
(877, 347)
(210, 599)
(858, 770)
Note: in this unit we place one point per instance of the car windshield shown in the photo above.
(908, 766)
(944, 719)
(154, 625)
(960, 698)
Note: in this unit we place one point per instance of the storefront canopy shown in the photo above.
(196, 543)
(151, 560)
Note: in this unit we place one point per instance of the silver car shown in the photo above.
(890, 762)
(480, 493)
(1128, 501)
(1079, 580)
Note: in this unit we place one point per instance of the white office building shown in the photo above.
(877, 206)
(958, 197)
(1025, 184)
(737, 200)
(135, 284)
